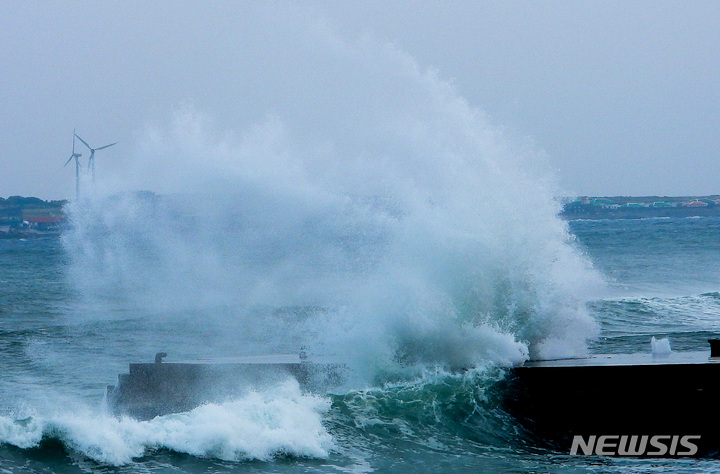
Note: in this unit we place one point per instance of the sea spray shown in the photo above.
(398, 229)
(660, 347)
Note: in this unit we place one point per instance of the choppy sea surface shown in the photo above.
(73, 315)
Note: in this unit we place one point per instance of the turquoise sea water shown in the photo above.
(71, 320)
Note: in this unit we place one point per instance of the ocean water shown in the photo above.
(373, 215)
(63, 339)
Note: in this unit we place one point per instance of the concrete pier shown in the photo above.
(620, 394)
(160, 388)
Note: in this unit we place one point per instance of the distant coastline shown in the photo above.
(640, 207)
(31, 217)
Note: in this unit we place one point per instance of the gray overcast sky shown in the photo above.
(623, 97)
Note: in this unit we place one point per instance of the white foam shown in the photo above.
(262, 425)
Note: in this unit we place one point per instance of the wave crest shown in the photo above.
(262, 425)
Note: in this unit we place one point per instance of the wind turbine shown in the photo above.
(91, 160)
(77, 168)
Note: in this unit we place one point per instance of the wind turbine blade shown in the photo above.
(68, 161)
(84, 142)
(106, 146)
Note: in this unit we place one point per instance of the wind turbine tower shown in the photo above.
(91, 160)
(77, 168)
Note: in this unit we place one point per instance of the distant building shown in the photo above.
(44, 223)
(696, 203)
